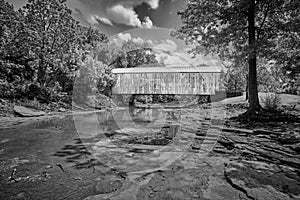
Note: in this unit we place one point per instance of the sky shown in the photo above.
(143, 21)
(114, 16)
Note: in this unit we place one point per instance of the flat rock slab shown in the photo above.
(26, 112)
(261, 181)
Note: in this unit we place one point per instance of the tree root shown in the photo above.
(262, 115)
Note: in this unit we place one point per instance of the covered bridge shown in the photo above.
(168, 80)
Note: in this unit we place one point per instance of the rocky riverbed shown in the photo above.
(187, 153)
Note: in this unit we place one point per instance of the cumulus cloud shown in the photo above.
(124, 15)
(174, 57)
(185, 59)
(120, 38)
(166, 45)
(92, 20)
(176, 60)
(147, 23)
(138, 40)
(153, 3)
(105, 20)
(114, 11)
(124, 36)
(95, 19)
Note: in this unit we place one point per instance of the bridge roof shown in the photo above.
(139, 70)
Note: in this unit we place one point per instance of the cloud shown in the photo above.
(120, 38)
(124, 15)
(105, 21)
(124, 36)
(166, 45)
(92, 20)
(153, 3)
(176, 60)
(147, 23)
(185, 59)
(172, 59)
(95, 20)
(114, 11)
(138, 40)
(168, 55)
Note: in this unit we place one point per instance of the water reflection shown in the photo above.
(101, 123)
(131, 139)
(142, 140)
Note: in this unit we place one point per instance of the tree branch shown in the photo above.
(265, 17)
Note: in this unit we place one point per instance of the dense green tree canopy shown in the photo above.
(128, 54)
(133, 55)
(241, 29)
(41, 48)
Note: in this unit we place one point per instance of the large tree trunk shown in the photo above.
(252, 79)
(41, 70)
(247, 88)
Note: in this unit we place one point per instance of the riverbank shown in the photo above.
(200, 152)
(26, 112)
(9, 118)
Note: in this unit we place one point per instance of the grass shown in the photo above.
(271, 102)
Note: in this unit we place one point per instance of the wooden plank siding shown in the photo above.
(166, 81)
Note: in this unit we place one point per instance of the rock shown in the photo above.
(129, 155)
(226, 142)
(103, 143)
(296, 147)
(264, 132)
(22, 196)
(289, 138)
(238, 131)
(261, 181)
(3, 102)
(48, 167)
(26, 112)
(108, 186)
(61, 110)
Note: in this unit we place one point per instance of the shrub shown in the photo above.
(271, 102)
(93, 77)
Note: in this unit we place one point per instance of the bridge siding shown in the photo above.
(167, 83)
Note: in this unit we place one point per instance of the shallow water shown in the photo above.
(89, 146)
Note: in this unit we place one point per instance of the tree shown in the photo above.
(12, 33)
(132, 55)
(235, 79)
(92, 77)
(41, 48)
(234, 29)
(53, 38)
(287, 53)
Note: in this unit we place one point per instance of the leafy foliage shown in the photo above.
(41, 49)
(93, 77)
(242, 30)
(132, 55)
(270, 77)
(271, 102)
(235, 79)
